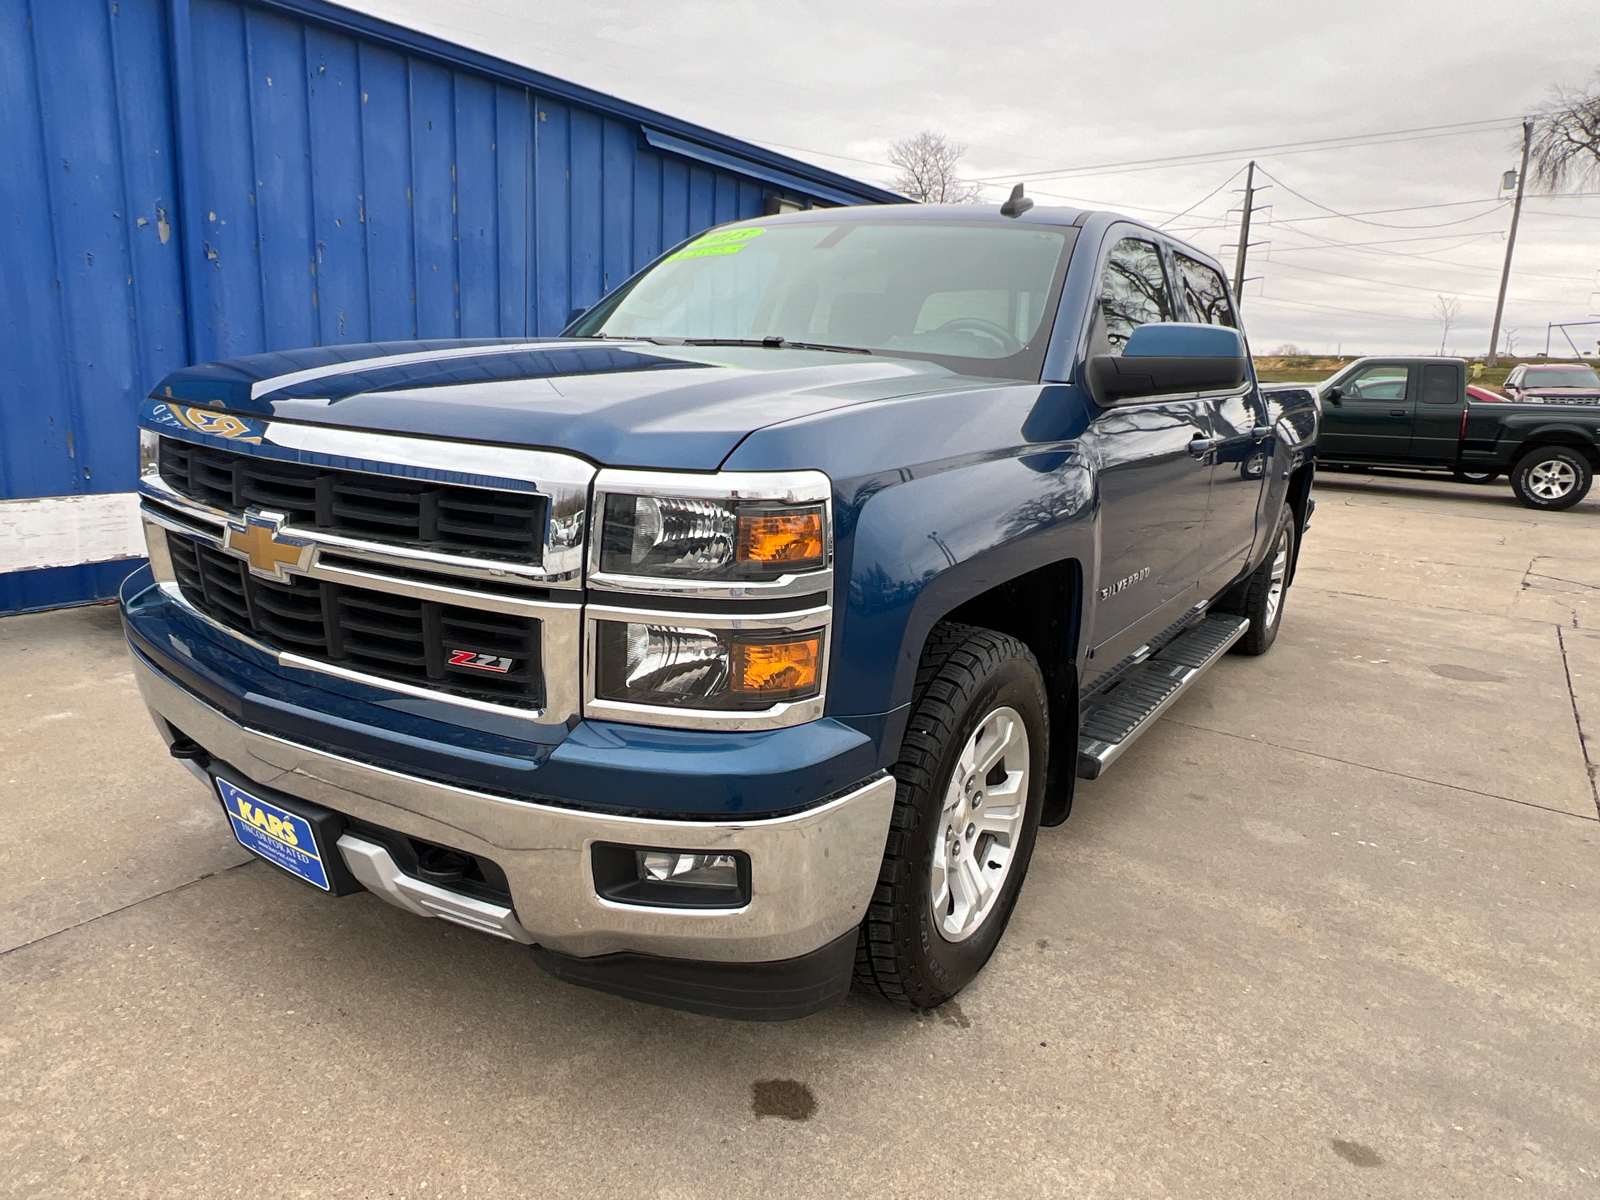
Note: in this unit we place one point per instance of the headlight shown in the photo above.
(711, 539)
(149, 453)
(685, 667)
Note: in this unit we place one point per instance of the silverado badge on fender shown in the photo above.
(1128, 581)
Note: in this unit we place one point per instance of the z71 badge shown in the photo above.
(480, 662)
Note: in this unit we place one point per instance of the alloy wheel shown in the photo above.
(1552, 480)
(980, 825)
(1280, 575)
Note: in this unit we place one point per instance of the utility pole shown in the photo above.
(1511, 242)
(1244, 235)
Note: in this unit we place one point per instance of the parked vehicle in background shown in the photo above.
(1555, 383)
(1484, 395)
(1419, 413)
(738, 642)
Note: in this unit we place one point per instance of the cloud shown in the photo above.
(1033, 85)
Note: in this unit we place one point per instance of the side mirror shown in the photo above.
(1335, 396)
(1169, 359)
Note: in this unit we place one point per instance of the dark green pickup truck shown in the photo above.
(1416, 413)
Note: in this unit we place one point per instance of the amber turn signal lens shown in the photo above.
(773, 667)
(793, 539)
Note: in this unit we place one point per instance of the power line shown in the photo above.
(1427, 257)
(1202, 200)
(1298, 147)
(1435, 237)
(1360, 312)
(1360, 218)
(1383, 282)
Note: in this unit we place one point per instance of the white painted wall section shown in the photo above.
(68, 531)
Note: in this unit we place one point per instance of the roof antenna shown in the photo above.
(1017, 205)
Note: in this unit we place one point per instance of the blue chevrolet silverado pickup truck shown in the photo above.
(733, 646)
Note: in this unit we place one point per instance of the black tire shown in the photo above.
(1463, 476)
(1255, 597)
(1552, 478)
(966, 678)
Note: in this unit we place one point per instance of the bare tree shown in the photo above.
(1288, 350)
(1446, 311)
(927, 166)
(1566, 138)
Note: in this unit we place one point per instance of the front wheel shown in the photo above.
(1464, 476)
(971, 778)
(1551, 478)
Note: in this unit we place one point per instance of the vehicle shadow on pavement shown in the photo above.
(1497, 494)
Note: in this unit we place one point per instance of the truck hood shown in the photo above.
(618, 403)
(1560, 395)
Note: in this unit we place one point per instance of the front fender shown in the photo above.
(925, 546)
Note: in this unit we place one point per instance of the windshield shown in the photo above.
(972, 297)
(1579, 377)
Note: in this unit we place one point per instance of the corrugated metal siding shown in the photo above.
(188, 180)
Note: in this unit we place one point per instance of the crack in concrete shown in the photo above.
(45, 937)
(1588, 587)
(1529, 570)
(1454, 787)
(1577, 720)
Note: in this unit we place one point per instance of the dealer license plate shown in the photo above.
(279, 836)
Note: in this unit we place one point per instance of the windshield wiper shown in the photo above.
(775, 343)
(770, 343)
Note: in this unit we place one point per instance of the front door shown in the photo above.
(1371, 419)
(1154, 475)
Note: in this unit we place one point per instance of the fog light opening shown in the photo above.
(660, 877)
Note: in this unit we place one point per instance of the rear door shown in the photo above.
(1241, 445)
(1371, 420)
(1154, 471)
(1436, 425)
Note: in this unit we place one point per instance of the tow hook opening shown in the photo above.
(185, 749)
(437, 865)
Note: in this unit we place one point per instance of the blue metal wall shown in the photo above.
(187, 180)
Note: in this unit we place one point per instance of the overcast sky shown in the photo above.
(1036, 88)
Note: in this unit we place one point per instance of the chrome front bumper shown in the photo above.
(812, 873)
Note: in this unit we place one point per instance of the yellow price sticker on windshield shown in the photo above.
(715, 245)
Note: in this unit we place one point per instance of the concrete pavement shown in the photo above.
(1329, 930)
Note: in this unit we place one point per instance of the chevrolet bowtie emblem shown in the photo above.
(266, 549)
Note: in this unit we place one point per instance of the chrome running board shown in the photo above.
(1118, 718)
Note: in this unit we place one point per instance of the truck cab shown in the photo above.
(733, 647)
(1395, 410)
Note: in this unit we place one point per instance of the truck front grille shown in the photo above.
(464, 651)
(470, 521)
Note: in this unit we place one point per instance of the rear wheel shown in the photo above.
(1261, 596)
(971, 779)
(1552, 478)
(1463, 476)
